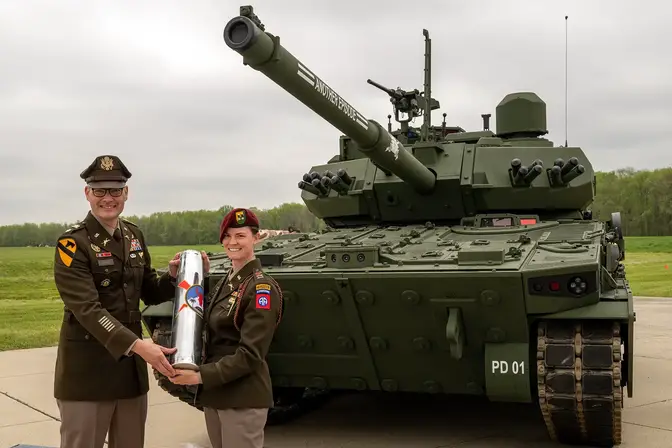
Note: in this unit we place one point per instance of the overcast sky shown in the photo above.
(154, 83)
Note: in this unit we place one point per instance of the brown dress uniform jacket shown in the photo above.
(241, 318)
(101, 282)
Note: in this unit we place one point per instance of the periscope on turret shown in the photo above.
(262, 51)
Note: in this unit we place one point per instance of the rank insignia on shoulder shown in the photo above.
(135, 245)
(258, 274)
(263, 300)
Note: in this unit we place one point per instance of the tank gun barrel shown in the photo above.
(262, 51)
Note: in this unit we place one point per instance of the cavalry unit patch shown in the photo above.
(67, 247)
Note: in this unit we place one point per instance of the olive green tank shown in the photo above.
(454, 261)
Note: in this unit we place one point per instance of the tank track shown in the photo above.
(290, 403)
(579, 381)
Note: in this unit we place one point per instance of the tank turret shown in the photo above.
(432, 173)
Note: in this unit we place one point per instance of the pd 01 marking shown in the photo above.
(504, 367)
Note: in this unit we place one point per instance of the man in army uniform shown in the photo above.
(102, 269)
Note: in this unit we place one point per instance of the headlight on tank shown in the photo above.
(577, 285)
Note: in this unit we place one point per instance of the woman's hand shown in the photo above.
(186, 377)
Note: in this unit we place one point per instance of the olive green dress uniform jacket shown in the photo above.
(241, 318)
(101, 282)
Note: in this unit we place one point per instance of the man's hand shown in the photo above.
(174, 264)
(206, 262)
(155, 355)
(186, 377)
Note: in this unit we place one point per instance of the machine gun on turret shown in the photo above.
(411, 102)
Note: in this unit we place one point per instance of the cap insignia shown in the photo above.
(240, 217)
(106, 163)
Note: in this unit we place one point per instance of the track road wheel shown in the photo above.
(579, 381)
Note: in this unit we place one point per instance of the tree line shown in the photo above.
(642, 197)
(171, 228)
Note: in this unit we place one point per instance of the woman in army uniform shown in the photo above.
(241, 316)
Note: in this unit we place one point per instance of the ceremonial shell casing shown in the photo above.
(188, 312)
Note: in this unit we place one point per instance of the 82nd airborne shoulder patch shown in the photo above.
(263, 296)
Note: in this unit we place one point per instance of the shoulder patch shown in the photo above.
(262, 297)
(66, 247)
(262, 300)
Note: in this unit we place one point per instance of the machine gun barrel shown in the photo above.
(394, 94)
(262, 51)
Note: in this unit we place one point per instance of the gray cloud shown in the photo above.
(155, 84)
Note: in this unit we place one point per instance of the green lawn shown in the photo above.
(30, 309)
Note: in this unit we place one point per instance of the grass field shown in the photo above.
(31, 311)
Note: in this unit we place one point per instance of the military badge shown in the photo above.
(67, 247)
(106, 163)
(240, 217)
(263, 297)
(95, 248)
(105, 283)
(135, 245)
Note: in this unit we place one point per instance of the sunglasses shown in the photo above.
(100, 192)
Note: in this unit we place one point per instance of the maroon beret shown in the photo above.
(238, 217)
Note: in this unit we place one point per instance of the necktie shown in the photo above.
(117, 234)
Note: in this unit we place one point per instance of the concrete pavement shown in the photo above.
(28, 413)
